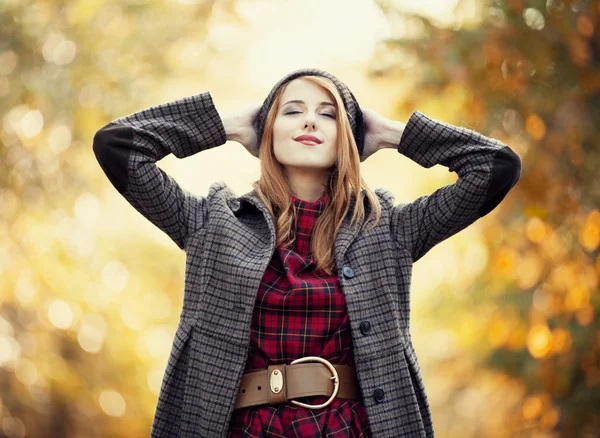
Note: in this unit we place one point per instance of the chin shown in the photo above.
(307, 165)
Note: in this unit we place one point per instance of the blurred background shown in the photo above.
(504, 314)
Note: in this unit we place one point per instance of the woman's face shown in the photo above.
(314, 114)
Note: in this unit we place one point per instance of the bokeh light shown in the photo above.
(504, 316)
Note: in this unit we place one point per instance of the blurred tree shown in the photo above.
(527, 73)
(71, 348)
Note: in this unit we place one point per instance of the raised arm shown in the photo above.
(487, 170)
(128, 148)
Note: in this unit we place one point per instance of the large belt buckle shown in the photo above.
(335, 378)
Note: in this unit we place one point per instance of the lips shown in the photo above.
(309, 140)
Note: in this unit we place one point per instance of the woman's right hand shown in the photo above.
(239, 128)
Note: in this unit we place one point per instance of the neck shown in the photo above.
(308, 185)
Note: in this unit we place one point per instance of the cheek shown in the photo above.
(276, 130)
(331, 130)
(282, 133)
(280, 137)
(332, 136)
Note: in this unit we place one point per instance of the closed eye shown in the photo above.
(298, 112)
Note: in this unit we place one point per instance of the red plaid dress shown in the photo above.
(297, 313)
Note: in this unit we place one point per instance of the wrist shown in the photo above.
(391, 134)
(232, 127)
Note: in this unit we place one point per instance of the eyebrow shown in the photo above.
(301, 101)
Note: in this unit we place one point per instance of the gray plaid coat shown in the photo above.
(229, 240)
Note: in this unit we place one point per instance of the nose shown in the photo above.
(310, 122)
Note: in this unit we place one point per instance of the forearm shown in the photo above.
(182, 127)
(129, 146)
(487, 168)
(429, 141)
(391, 134)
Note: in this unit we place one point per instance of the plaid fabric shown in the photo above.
(300, 312)
(229, 241)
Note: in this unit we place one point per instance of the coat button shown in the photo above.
(378, 395)
(365, 327)
(348, 272)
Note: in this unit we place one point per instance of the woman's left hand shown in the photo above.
(375, 125)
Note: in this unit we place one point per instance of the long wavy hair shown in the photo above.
(345, 181)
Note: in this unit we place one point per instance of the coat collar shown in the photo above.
(346, 233)
(237, 203)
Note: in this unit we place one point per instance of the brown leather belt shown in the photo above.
(280, 383)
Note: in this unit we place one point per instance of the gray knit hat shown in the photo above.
(352, 107)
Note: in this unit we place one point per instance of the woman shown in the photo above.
(299, 268)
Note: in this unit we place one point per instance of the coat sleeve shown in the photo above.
(128, 148)
(487, 169)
